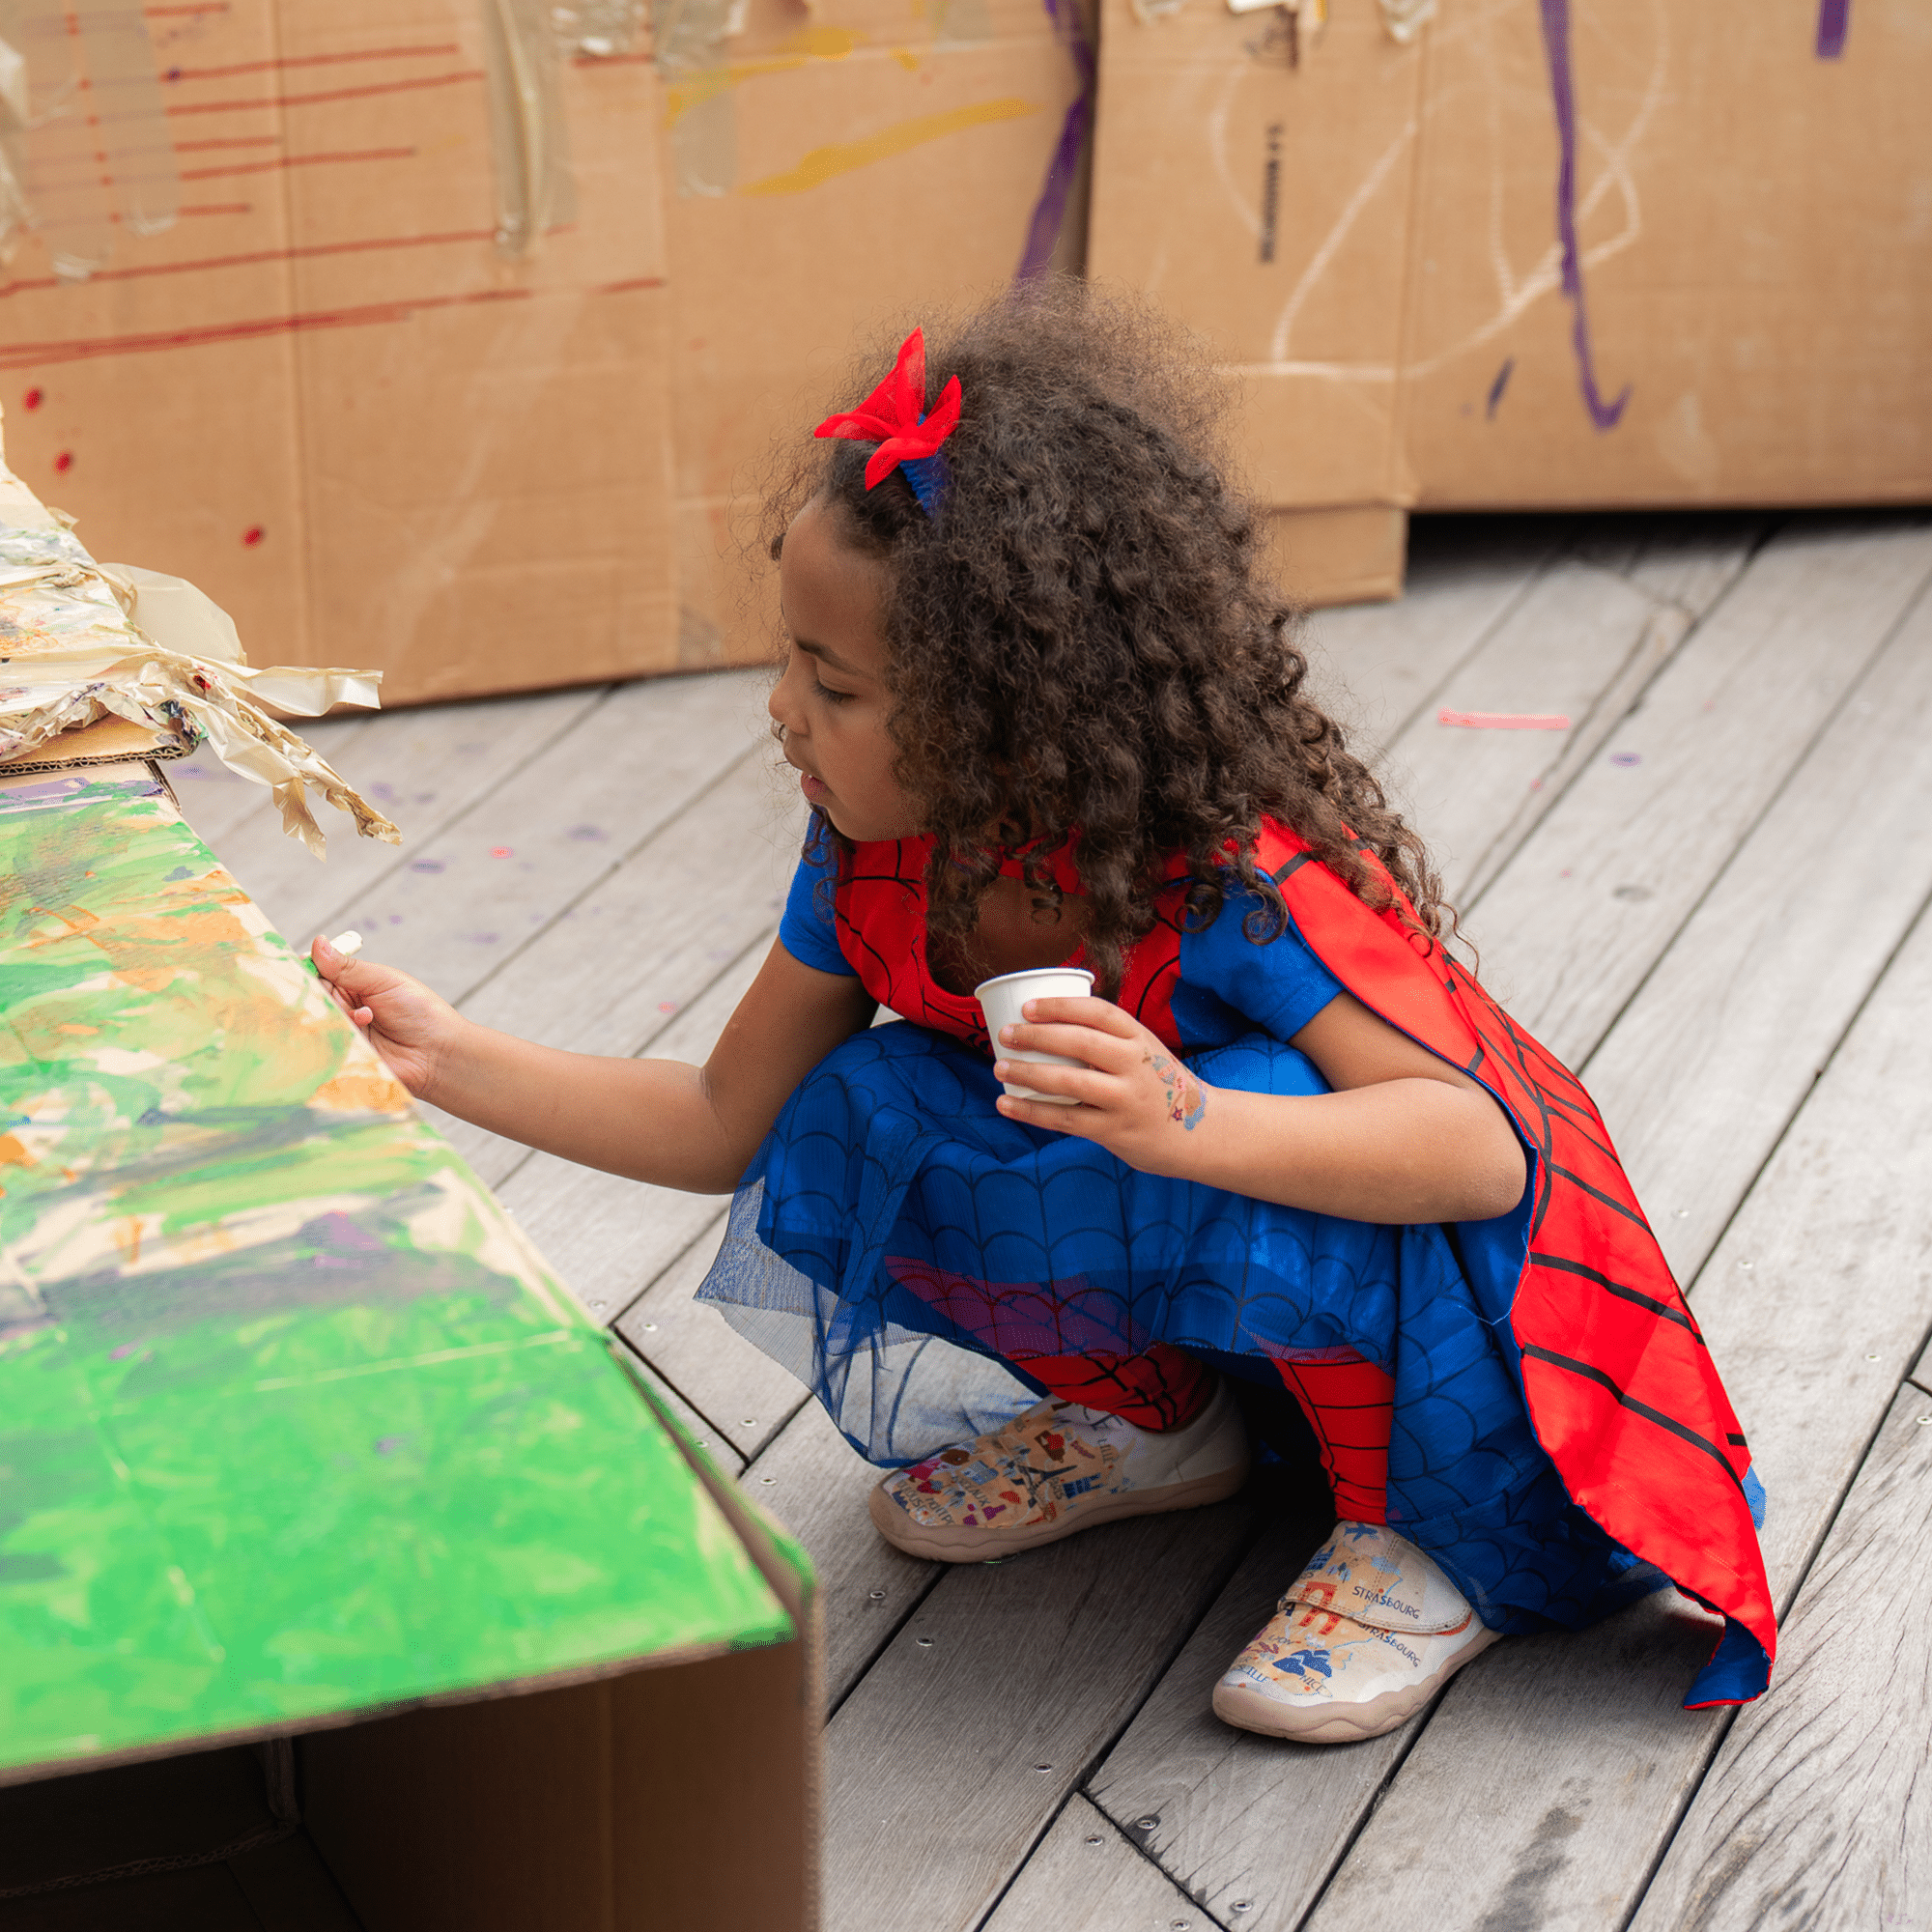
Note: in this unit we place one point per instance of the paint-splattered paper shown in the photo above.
(81, 640)
(293, 1421)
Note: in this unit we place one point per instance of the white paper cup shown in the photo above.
(1001, 1001)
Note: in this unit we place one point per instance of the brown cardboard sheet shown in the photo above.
(837, 173)
(329, 397)
(1257, 183)
(1748, 323)
(1352, 555)
(1544, 254)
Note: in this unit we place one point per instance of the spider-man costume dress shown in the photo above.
(1526, 1398)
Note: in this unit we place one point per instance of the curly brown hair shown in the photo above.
(1085, 637)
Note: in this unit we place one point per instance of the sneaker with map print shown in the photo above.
(1368, 1632)
(1056, 1469)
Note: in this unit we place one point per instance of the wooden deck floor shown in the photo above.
(1708, 895)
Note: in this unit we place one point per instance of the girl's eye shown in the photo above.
(829, 695)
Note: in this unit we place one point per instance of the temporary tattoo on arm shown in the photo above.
(1185, 1098)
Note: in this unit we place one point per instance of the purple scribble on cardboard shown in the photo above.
(1835, 21)
(1049, 212)
(1497, 388)
(1563, 96)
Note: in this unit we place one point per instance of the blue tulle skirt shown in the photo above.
(903, 1248)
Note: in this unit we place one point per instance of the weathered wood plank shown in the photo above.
(1084, 1877)
(746, 1396)
(651, 938)
(1571, 924)
(1236, 1819)
(985, 1711)
(1691, 561)
(1719, 1047)
(813, 1481)
(1686, 559)
(1556, 654)
(1375, 667)
(1815, 1811)
(565, 813)
(1814, 1304)
(423, 768)
(608, 1237)
(707, 1439)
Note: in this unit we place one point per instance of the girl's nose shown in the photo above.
(784, 714)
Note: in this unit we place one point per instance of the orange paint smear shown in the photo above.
(362, 1089)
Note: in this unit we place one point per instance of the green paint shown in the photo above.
(292, 1422)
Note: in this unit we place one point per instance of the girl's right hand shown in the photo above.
(411, 1027)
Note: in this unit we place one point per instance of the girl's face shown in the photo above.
(832, 703)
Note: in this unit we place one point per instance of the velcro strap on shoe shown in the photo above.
(1372, 1576)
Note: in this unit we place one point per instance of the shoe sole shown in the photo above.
(1337, 1724)
(947, 1543)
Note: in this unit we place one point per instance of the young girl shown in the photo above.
(1046, 708)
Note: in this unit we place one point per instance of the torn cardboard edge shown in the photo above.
(107, 741)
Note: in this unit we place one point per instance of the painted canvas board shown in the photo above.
(294, 1423)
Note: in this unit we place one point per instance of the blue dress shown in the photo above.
(902, 1248)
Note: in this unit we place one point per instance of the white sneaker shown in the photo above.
(1056, 1469)
(1367, 1634)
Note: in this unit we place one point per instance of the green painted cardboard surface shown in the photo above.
(292, 1422)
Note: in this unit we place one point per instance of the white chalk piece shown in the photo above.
(347, 944)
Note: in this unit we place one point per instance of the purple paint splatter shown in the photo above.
(1049, 212)
(1835, 21)
(1497, 388)
(1563, 96)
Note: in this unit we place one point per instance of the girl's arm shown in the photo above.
(1404, 1137)
(652, 1120)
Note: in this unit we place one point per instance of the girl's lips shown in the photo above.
(813, 789)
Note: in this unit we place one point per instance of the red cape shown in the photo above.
(1621, 1389)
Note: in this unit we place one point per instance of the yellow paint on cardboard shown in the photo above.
(906, 58)
(841, 158)
(809, 44)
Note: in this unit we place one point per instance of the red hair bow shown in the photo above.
(891, 416)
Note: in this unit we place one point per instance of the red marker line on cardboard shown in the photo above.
(1505, 721)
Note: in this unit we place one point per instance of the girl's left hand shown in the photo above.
(1136, 1098)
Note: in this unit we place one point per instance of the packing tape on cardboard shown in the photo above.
(84, 140)
(529, 144)
(1406, 18)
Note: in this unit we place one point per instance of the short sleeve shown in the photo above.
(810, 929)
(1230, 984)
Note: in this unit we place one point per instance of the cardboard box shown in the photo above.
(834, 171)
(1544, 254)
(1354, 554)
(326, 393)
(300, 1440)
(613, 1805)
(1256, 184)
